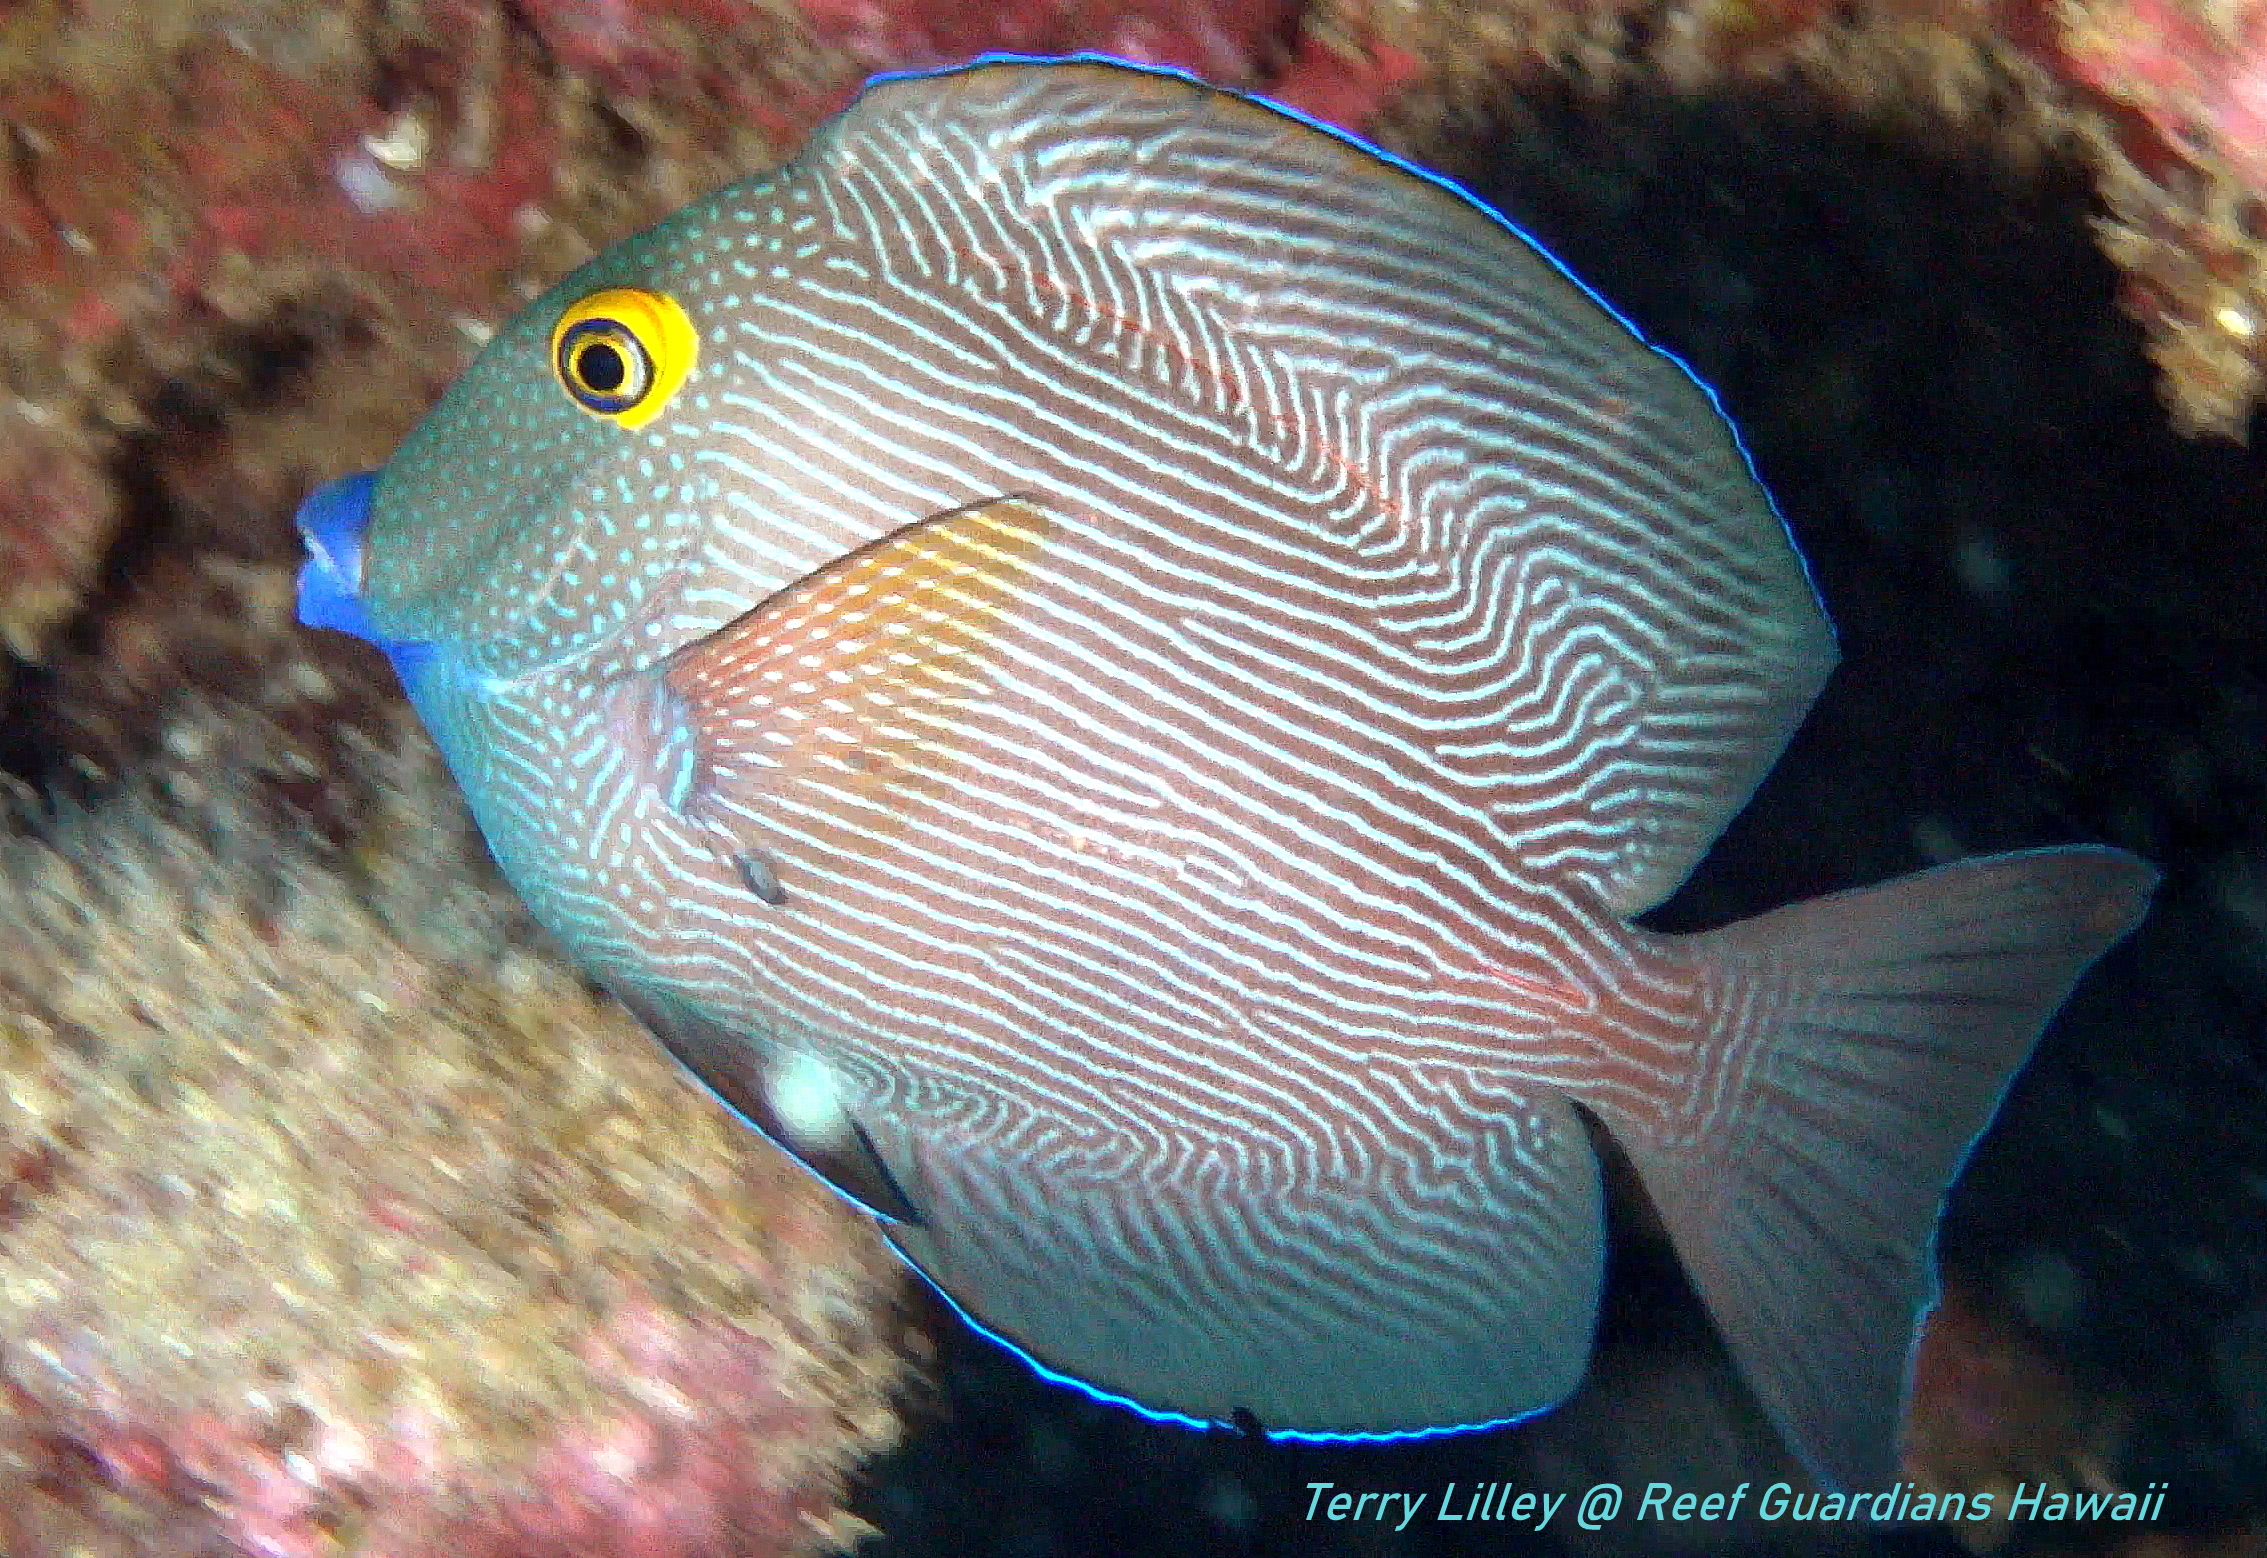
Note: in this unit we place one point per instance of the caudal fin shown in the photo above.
(1870, 1037)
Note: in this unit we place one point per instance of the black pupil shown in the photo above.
(601, 367)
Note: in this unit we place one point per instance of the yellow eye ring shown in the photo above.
(622, 353)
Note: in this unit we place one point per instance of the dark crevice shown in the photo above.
(74, 722)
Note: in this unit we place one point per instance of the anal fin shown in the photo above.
(1452, 1285)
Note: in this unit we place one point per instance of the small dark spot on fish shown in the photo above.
(756, 876)
(1245, 1424)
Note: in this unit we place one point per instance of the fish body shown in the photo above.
(1111, 668)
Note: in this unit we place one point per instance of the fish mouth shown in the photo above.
(331, 525)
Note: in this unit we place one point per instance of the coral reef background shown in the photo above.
(336, 1216)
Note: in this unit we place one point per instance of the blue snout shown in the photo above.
(332, 522)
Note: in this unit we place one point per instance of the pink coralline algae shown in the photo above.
(1225, 43)
(1344, 83)
(335, 1220)
(675, 1467)
(2184, 174)
(2199, 79)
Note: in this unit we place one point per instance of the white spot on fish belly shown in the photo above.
(806, 1099)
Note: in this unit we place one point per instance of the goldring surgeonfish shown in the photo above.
(1111, 667)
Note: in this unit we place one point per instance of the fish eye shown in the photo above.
(604, 367)
(621, 353)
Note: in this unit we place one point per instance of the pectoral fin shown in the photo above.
(841, 678)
